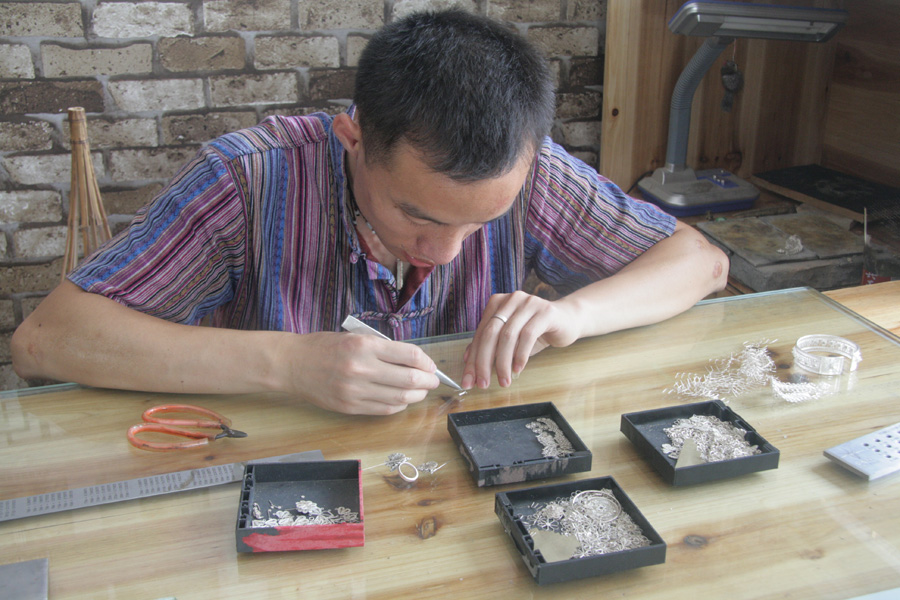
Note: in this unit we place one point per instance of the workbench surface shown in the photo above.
(808, 529)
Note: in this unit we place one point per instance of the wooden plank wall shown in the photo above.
(777, 121)
(862, 127)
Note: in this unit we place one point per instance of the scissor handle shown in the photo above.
(199, 438)
(216, 423)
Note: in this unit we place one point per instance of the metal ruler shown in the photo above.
(142, 487)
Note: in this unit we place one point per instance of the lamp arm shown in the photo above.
(683, 96)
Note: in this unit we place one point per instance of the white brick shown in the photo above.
(584, 10)
(30, 303)
(247, 89)
(15, 62)
(41, 18)
(32, 206)
(344, 14)
(28, 136)
(566, 41)
(355, 46)
(582, 133)
(131, 165)
(125, 132)
(89, 62)
(404, 7)
(240, 15)
(157, 94)
(283, 52)
(142, 19)
(40, 242)
(524, 12)
(46, 168)
(9, 380)
(7, 317)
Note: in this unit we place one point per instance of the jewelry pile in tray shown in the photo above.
(305, 512)
(716, 440)
(593, 518)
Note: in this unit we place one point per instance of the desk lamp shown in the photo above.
(677, 188)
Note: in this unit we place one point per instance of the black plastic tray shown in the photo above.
(512, 506)
(500, 449)
(645, 430)
(328, 483)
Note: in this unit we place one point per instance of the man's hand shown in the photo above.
(514, 327)
(358, 374)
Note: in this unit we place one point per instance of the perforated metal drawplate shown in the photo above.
(871, 456)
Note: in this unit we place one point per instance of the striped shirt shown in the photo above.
(256, 232)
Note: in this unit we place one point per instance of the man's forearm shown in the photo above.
(666, 280)
(77, 336)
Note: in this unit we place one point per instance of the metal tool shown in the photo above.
(176, 427)
(26, 580)
(354, 325)
(872, 455)
(142, 487)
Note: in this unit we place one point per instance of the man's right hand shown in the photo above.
(358, 374)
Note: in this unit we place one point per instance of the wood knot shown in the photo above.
(427, 527)
(695, 541)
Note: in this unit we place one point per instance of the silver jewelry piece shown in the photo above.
(501, 317)
(753, 368)
(594, 517)
(716, 440)
(808, 348)
(430, 467)
(405, 476)
(395, 459)
(553, 441)
(732, 376)
(305, 512)
(601, 503)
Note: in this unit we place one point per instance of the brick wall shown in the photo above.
(159, 78)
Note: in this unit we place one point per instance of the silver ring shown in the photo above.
(501, 317)
(406, 477)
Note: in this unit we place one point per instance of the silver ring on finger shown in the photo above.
(501, 317)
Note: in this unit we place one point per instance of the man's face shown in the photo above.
(422, 217)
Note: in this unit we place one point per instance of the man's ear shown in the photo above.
(348, 132)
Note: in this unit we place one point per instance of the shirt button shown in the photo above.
(354, 258)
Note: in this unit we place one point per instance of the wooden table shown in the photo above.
(808, 529)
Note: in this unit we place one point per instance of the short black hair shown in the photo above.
(467, 92)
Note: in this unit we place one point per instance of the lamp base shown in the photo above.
(712, 190)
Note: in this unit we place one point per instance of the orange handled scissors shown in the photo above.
(171, 426)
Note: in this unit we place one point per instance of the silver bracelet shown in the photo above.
(826, 365)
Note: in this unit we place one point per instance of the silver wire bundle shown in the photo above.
(738, 374)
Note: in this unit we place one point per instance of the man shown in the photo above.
(420, 210)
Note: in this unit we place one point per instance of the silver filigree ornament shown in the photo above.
(594, 517)
(554, 443)
(716, 440)
(406, 469)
